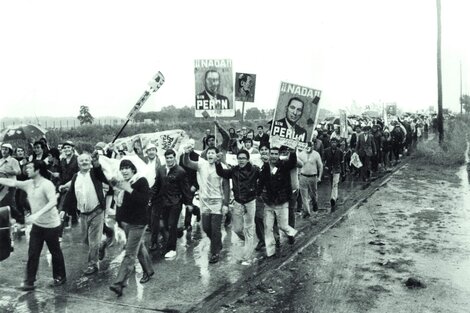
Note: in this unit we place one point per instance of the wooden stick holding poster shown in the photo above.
(295, 115)
(155, 84)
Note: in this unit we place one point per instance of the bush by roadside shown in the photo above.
(452, 151)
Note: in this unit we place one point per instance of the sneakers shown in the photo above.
(214, 258)
(90, 270)
(58, 282)
(170, 254)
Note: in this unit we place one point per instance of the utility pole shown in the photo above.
(440, 119)
(461, 98)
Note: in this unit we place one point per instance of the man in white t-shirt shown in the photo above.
(213, 197)
(46, 223)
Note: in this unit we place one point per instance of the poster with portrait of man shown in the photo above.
(214, 88)
(245, 85)
(294, 117)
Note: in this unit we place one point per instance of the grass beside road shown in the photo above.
(452, 150)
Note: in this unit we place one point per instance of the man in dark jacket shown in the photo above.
(169, 192)
(68, 167)
(86, 194)
(275, 179)
(334, 159)
(244, 179)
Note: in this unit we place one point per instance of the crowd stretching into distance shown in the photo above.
(57, 188)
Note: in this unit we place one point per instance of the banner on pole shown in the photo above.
(295, 115)
(245, 85)
(343, 124)
(214, 88)
(156, 82)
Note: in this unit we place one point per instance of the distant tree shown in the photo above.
(465, 100)
(85, 116)
(253, 114)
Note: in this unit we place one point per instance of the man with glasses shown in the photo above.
(244, 179)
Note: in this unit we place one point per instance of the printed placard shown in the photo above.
(294, 117)
(214, 88)
(245, 85)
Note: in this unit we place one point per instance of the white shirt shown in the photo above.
(210, 187)
(87, 199)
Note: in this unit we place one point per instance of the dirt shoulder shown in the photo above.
(415, 226)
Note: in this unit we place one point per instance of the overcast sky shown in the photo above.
(58, 55)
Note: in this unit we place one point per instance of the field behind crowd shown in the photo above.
(86, 136)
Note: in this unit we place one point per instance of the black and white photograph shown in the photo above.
(206, 156)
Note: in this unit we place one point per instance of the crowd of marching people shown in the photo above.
(258, 194)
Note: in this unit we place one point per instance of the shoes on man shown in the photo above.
(333, 205)
(214, 258)
(154, 247)
(291, 239)
(170, 254)
(58, 282)
(146, 277)
(260, 246)
(90, 270)
(117, 289)
(26, 287)
(306, 215)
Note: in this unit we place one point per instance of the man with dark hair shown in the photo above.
(214, 196)
(68, 168)
(366, 149)
(46, 223)
(169, 192)
(244, 179)
(334, 159)
(287, 127)
(310, 175)
(274, 185)
(204, 139)
(210, 97)
(262, 137)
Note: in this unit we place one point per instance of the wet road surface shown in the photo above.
(417, 225)
(178, 285)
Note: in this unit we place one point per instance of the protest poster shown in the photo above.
(392, 109)
(214, 88)
(294, 117)
(245, 85)
(343, 124)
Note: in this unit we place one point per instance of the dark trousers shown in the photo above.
(188, 215)
(170, 216)
(396, 148)
(38, 236)
(293, 207)
(10, 200)
(212, 224)
(365, 169)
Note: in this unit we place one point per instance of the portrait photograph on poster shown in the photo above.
(294, 117)
(245, 85)
(214, 88)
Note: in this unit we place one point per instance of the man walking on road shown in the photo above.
(310, 175)
(244, 179)
(86, 194)
(46, 223)
(334, 159)
(275, 177)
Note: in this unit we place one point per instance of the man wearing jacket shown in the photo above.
(275, 178)
(169, 192)
(244, 179)
(334, 159)
(366, 149)
(86, 194)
